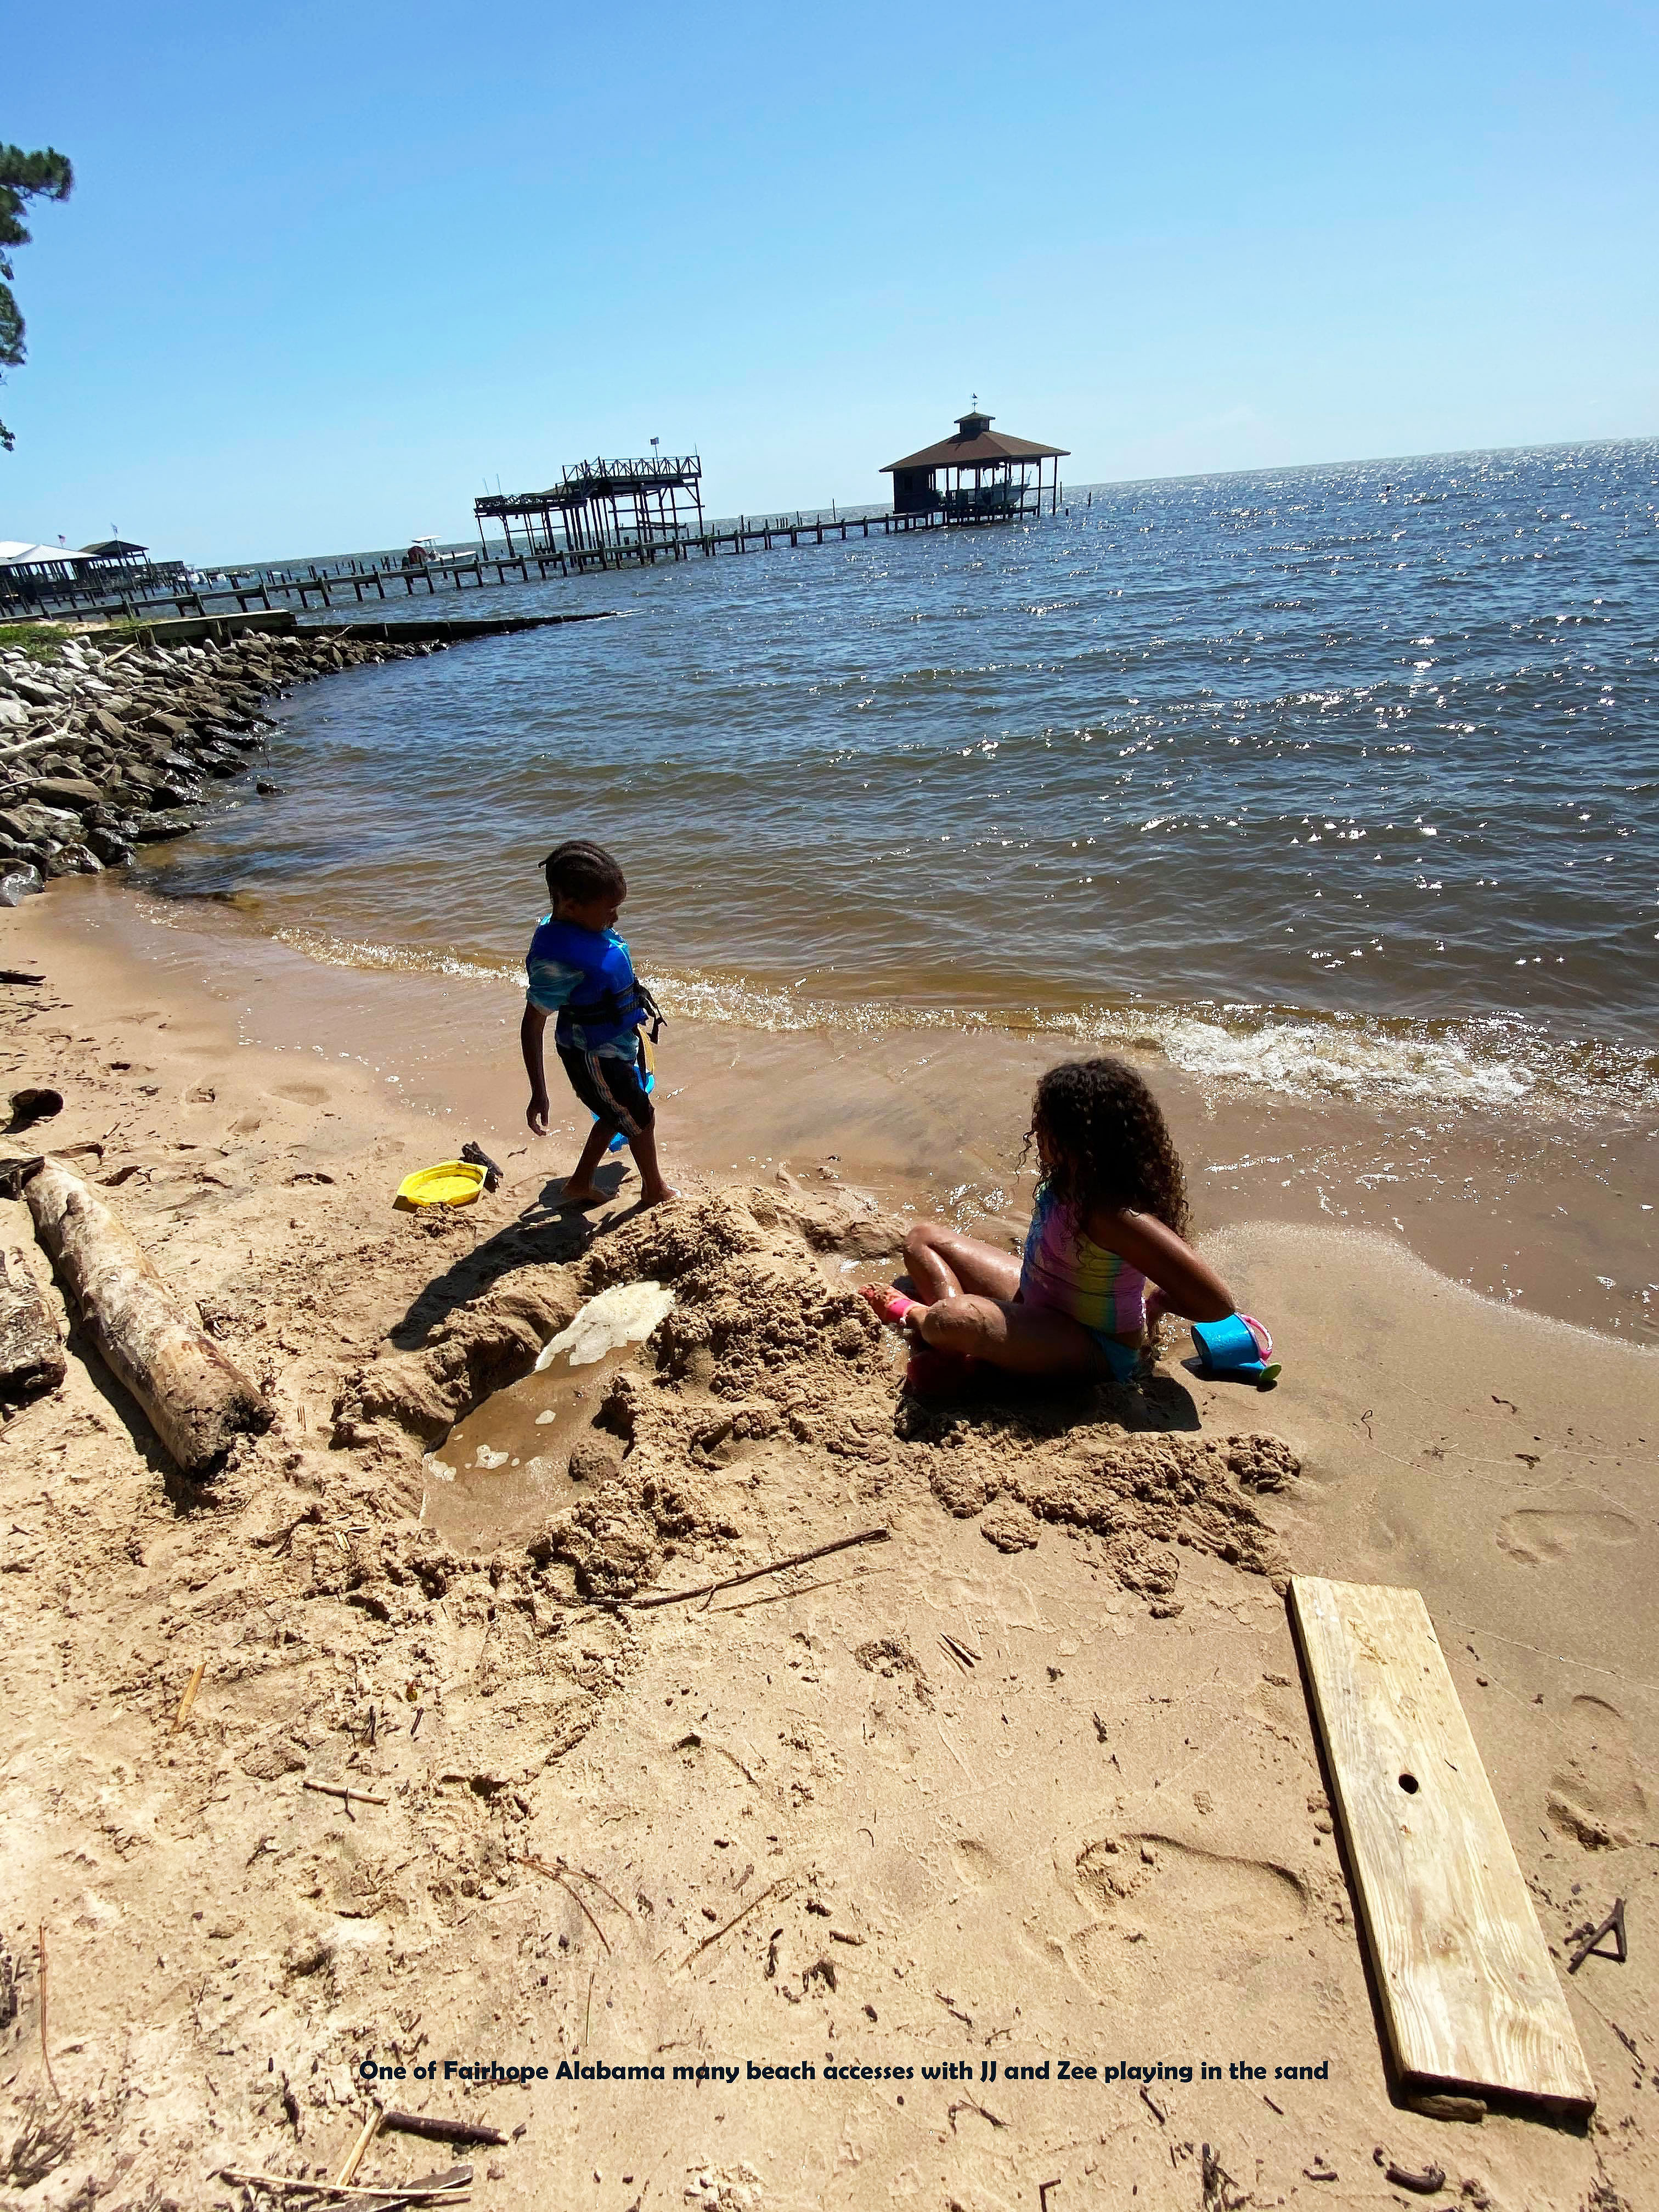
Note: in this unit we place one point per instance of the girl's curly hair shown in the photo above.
(1111, 1143)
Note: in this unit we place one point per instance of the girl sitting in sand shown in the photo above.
(1105, 1257)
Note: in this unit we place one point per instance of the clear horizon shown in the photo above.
(386, 259)
(1069, 492)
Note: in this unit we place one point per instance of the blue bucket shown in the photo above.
(1232, 1348)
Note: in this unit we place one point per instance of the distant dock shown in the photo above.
(354, 583)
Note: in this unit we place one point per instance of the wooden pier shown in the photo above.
(358, 582)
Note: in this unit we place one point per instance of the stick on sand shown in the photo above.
(554, 1874)
(737, 1916)
(46, 2056)
(432, 2188)
(349, 1797)
(348, 2172)
(777, 1566)
(438, 2129)
(189, 1698)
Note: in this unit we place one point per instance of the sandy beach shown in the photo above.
(772, 586)
(1027, 1782)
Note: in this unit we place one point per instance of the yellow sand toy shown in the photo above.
(453, 1182)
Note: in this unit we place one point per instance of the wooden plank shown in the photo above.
(1470, 2000)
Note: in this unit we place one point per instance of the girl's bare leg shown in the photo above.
(1022, 1339)
(942, 1264)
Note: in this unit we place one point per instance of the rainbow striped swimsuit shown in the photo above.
(1066, 1272)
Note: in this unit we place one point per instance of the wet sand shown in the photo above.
(1550, 1211)
(809, 1834)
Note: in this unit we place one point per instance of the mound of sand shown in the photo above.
(764, 1367)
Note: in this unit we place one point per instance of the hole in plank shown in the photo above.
(1408, 1783)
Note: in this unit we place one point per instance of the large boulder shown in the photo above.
(34, 824)
(18, 880)
(74, 859)
(111, 847)
(168, 822)
(74, 793)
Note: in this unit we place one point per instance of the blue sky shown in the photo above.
(329, 268)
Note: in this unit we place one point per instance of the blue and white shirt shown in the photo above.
(553, 980)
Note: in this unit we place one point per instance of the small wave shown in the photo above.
(1497, 1063)
(1314, 1059)
(330, 951)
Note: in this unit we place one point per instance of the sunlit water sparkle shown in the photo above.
(1332, 779)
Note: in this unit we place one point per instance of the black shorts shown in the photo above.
(613, 1088)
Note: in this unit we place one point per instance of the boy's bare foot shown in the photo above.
(659, 1194)
(581, 1194)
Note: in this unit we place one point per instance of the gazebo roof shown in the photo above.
(113, 549)
(974, 445)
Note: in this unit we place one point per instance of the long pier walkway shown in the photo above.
(326, 585)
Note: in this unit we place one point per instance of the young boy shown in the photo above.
(580, 969)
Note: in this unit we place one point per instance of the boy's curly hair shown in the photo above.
(1111, 1143)
(581, 870)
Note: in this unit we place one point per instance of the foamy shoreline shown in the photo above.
(1494, 1060)
(1543, 1209)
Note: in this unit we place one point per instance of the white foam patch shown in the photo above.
(1495, 1062)
(1309, 1059)
(625, 1314)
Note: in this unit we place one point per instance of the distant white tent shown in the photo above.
(18, 553)
(31, 575)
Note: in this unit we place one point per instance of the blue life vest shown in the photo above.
(608, 1001)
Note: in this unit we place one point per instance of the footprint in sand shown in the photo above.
(974, 1864)
(1535, 1534)
(1596, 1794)
(301, 1094)
(1204, 1913)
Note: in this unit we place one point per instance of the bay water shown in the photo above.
(1327, 780)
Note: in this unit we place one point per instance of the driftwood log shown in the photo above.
(198, 1402)
(31, 1356)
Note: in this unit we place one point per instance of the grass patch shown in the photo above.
(41, 640)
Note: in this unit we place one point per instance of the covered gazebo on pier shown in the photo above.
(980, 475)
(116, 553)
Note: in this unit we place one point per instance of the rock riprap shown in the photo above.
(113, 744)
